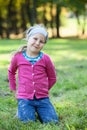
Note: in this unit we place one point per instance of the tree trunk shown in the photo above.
(1, 26)
(34, 12)
(51, 22)
(9, 19)
(78, 21)
(31, 11)
(58, 20)
(84, 24)
(23, 19)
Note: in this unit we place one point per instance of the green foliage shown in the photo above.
(69, 95)
(17, 15)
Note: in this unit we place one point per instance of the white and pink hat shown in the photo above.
(36, 29)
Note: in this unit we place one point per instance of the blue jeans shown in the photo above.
(45, 110)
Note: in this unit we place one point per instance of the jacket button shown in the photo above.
(33, 83)
(32, 66)
(34, 91)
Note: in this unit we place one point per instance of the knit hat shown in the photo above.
(36, 29)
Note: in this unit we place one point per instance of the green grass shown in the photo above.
(69, 94)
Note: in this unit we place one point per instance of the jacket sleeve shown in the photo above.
(51, 72)
(12, 73)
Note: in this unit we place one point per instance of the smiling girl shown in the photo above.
(36, 76)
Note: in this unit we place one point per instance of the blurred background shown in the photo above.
(62, 18)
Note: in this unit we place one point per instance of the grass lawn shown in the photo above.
(69, 94)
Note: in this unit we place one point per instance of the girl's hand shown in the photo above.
(14, 93)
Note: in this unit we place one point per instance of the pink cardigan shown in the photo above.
(34, 79)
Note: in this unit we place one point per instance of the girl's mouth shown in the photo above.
(36, 47)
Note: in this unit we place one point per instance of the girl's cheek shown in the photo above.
(30, 40)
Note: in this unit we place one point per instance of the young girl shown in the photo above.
(36, 76)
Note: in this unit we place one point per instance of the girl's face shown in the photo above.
(35, 43)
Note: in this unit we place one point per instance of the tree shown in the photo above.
(31, 11)
(79, 7)
(15, 15)
(1, 24)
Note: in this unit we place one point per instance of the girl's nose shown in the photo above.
(37, 42)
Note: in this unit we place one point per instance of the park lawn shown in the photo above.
(69, 94)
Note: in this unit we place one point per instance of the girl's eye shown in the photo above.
(35, 38)
(41, 42)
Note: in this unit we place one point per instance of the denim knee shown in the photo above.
(46, 111)
(25, 111)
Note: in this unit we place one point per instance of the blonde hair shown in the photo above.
(27, 32)
(19, 50)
